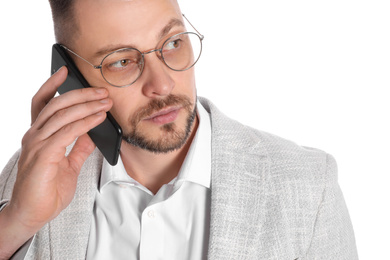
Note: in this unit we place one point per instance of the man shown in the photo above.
(190, 183)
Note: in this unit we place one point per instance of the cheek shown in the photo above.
(185, 83)
(124, 105)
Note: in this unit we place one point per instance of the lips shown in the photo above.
(164, 116)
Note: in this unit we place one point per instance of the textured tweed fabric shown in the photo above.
(270, 199)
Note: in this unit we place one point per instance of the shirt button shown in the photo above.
(151, 214)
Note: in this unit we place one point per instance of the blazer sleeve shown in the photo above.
(8, 178)
(333, 236)
(7, 181)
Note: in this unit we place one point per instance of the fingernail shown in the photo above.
(104, 101)
(54, 72)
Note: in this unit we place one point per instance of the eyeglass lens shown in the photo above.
(179, 52)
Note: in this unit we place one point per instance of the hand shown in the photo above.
(47, 179)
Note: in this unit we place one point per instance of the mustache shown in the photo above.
(156, 105)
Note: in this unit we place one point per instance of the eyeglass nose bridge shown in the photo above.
(147, 52)
(159, 55)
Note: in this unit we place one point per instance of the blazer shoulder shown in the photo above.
(286, 158)
(283, 150)
(291, 162)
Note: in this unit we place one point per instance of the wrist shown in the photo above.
(13, 233)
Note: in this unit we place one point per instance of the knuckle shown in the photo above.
(34, 100)
(60, 114)
(26, 138)
(78, 127)
(68, 129)
(54, 102)
(82, 91)
(69, 132)
(29, 137)
(92, 106)
(86, 93)
(29, 143)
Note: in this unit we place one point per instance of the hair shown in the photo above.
(64, 19)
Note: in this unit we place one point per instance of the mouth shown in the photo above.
(164, 116)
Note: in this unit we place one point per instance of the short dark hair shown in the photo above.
(64, 18)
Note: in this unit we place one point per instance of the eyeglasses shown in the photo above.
(123, 67)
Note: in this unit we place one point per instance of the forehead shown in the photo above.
(115, 22)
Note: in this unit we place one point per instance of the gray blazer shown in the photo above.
(270, 199)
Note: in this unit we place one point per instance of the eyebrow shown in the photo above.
(167, 28)
(174, 22)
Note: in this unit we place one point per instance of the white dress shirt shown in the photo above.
(129, 222)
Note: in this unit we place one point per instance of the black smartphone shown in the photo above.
(108, 135)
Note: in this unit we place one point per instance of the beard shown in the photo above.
(172, 137)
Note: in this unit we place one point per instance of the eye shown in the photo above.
(173, 44)
(120, 63)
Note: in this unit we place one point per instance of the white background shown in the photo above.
(315, 72)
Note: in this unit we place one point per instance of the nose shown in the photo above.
(157, 81)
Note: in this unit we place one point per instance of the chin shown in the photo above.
(170, 137)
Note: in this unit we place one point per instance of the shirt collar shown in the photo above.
(116, 173)
(196, 167)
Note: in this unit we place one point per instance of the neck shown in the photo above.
(154, 170)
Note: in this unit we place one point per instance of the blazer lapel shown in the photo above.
(240, 168)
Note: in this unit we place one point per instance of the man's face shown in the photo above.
(157, 111)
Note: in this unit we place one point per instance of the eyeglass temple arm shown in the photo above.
(66, 48)
(201, 35)
(99, 66)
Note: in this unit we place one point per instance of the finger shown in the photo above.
(47, 92)
(69, 99)
(80, 152)
(58, 142)
(72, 114)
